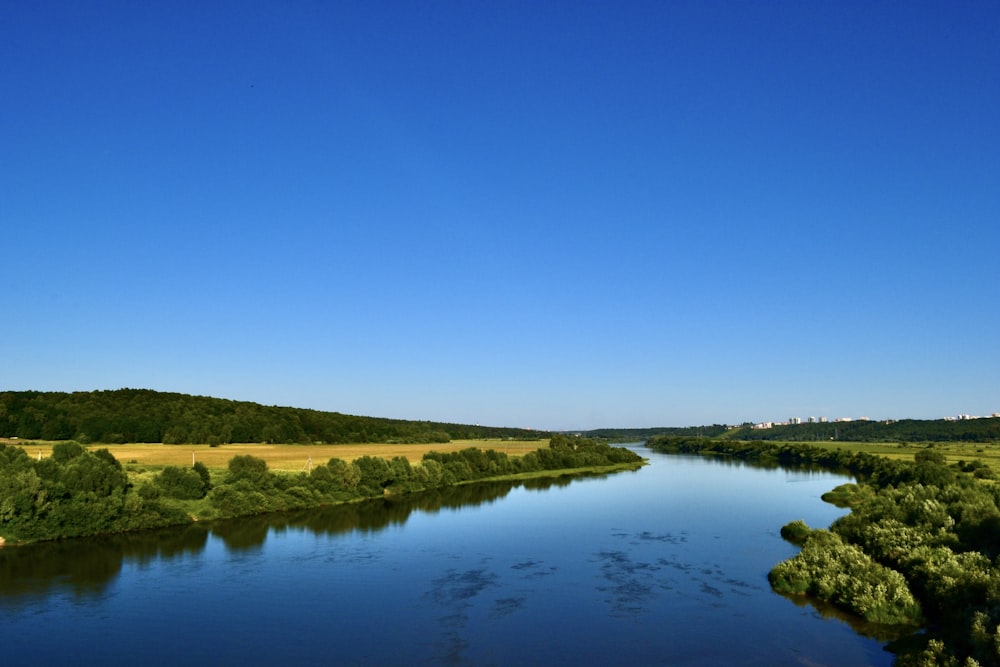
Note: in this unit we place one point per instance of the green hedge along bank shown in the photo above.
(76, 492)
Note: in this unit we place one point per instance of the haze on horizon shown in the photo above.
(557, 216)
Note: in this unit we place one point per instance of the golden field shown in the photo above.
(296, 457)
(278, 457)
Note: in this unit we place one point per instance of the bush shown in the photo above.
(845, 576)
(240, 498)
(148, 491)
(929, 456)
(63, 452)
(206, 477)
(180, 483)
(795, 532)
(376, 474)
(249, 468)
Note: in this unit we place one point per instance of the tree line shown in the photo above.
(78, 492)
(250, 488)
(641, 434)
(142, 415)
(920, 545)
(903, 430)
(72, 493)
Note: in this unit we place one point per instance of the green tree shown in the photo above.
(181, 483)
(249, 468)
(376, 474)
(65, 451)
(348, 473)
(929, 456)
(204, 475)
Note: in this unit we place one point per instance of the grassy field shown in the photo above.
(278, 457)
(296, 457)
(952, 451)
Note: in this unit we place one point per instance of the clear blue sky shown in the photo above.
(559, 215)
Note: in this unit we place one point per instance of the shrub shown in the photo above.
(845, 576)
(795, 532)
(65, 451)
(249, 468)
(180, 483)
(206, 477)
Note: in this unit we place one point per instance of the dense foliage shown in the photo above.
(640, 434)
(141, 415)
(76, 492)
(935, 526)
(903, 430)
(844, 575)
(250, 488)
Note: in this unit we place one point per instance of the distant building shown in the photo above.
(812, 420)
(822, 420)
(794, 420)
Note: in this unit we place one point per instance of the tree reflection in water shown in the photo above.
(87, 566)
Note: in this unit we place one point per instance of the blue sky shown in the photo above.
(558, 215)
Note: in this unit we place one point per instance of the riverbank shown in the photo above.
(929, 524)
(469, 574)
(76, 492)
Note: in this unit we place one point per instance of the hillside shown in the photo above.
(143, 415)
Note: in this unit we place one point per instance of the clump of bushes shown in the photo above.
(795, 532)
(842, 574)
(72, 493)
(848, 495)
(76, 492)
(249, 487)
(183, 483)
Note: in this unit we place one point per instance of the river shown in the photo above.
(664, 566)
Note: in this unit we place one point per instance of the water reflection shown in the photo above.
(650, 567)
(806, 471)
(87, 566)
(882, 633)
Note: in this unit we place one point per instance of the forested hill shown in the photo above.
(143, 415)
(903, 430)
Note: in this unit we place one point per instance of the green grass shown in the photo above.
(953, 451)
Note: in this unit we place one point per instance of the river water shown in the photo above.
(664, 566)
